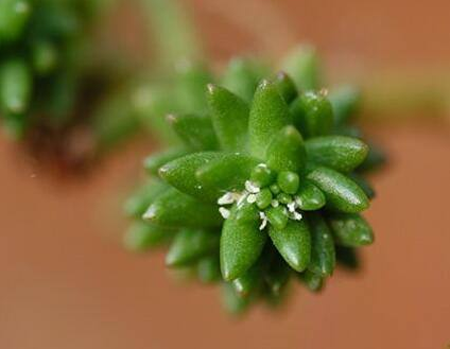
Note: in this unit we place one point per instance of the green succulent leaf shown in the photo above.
(294, 243)
(232, 302)
(241, 243)
(269, 114)
(142, 236)
(351, 230)
(312, 281)
(181, 174)
(286, 151)
(277, 276)
(250, 281)
(302, 64)
(342, 194)
(313, 114)
(309, 197)
(154, 162)
(138, 203)
(229, 115)
(227, 173)
(196, 131)
(345, 101)
(15, 86)
(323, 255)
(347, 257)
(241, 78)
(174, 209)
(208, 269)
(190, 84)
(286, 87)
(14, 15)
(340, 153)
(190, 245)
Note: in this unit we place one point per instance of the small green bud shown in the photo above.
(275, 189)
(264, 198)
(262, 176)
(284, 198)
(277, 216)
(309, 197)
(288, 182)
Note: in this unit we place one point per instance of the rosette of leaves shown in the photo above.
(266, 187)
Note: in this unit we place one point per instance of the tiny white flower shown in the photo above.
(251, 187)
(251, 198)
(226, 199)
(264, 220)
(292, 206)
(224, 212)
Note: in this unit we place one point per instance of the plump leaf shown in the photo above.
(302, 65)
(323, 255)
(340, 153)
(347, 258)
(241, 78)
(312, 114)
(14, 15)
(351, 230)
(190, 245)
(309, 197)
(139, 202)
(277, 217)
(154, 162)
(229, 115)
(208, 269)
(364, 184)
(241, 243)
(268, 115)
(142, 236)
(277, 276)
(181, 174)
(227, 173)
(286, 87)
(196, 131)
(191, 82)
(232, 303)
(294, 244)
(249, 282)
(345, 101)
(342, 194)
(175, 209)
(312, 281)
(286, 151)
(374, 160)
(15, 86)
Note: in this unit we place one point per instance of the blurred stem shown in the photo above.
(172, 32)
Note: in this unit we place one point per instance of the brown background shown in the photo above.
(66, 283)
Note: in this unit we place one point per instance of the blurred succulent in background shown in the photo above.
(266, 184)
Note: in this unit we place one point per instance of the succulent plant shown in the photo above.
(266, 185)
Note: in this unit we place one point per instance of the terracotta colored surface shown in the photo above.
(66, 283)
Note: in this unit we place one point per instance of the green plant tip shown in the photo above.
(262, 176)
(288, 182)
